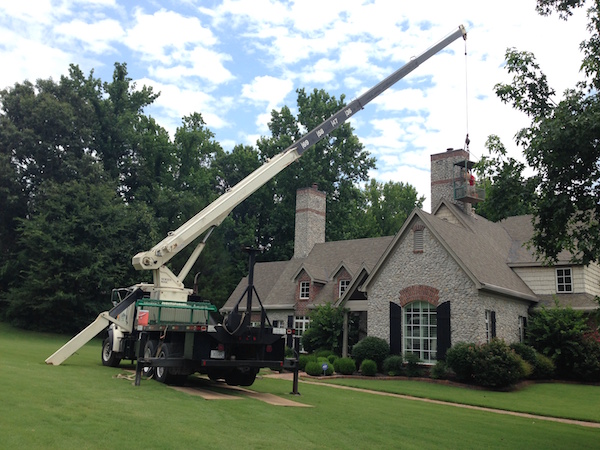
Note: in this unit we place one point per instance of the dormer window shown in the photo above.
(343, 286)
(304, 290)
(564, 280)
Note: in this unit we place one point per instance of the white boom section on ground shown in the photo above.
(87, 334)
(165, 281)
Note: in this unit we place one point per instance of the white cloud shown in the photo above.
(97, 37)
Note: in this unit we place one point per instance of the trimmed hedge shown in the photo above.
(345, 366)
(372, 348)
(315, 368)
(368, 368)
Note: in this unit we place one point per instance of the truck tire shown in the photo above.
(109, 358)
(149, 352)
(241, 378)
(165, 374)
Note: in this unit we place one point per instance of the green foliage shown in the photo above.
(326, 329)
(373, 348)
(497, 366)
(303, 359)
(413, 367)
(440, 370)
(558, 333)
(345, 366)
(542, 367)
(315, 368)
(561, 144)
(507, 192)
(393, 365)
(368, 368)
(494, 364)
(460, 358)
(74, 249)
(587, 366)
(388, 206)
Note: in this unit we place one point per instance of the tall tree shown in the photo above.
(389, 204)
(74, 248)
(336, 164)
(561, 143)
(508, 192)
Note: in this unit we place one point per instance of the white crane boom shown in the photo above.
(168, 285)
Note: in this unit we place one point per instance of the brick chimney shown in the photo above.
(443, 173)
(310, 220)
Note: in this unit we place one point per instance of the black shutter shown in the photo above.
(395, 329)
(493, 324)
(443, 330)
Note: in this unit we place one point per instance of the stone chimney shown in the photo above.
(443, 174)
(310, 220)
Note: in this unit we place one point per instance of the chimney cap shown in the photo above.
(315, 186)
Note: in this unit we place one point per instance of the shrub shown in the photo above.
(558, 332)
(326, 329)
(313, 368)
(544, 367)
(413, 368)
(460, 359)
(493, 365)
(587, 366)
(373, 348)
(332, 358)
(440, 370)
(368, 368)
(497, 365)
(303, 359)
(322, 352)
(393, 365)
(322, 360)
(345, 366)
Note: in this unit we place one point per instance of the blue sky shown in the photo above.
(234, 61)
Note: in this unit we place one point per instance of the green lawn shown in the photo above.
(82, 404)
(570, 401)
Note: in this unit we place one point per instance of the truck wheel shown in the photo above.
(161, 374)
(149, 352)
(239, 378)
(165, 374)
(109, 358)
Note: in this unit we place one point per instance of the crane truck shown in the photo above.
(165, 327)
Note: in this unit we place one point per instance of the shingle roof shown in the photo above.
(275, 282)
(479, 246)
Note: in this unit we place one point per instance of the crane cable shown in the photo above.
(467, 140)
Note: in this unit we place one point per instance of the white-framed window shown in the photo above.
(522, 326)
(490, 325)
(343, 286)
(419, 334)
(305, 290)
(301, 324)
(564, 280)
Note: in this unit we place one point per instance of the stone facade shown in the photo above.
(444, 173)
(435, 277)
(310, 220)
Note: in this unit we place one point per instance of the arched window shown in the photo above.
(420, 330)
